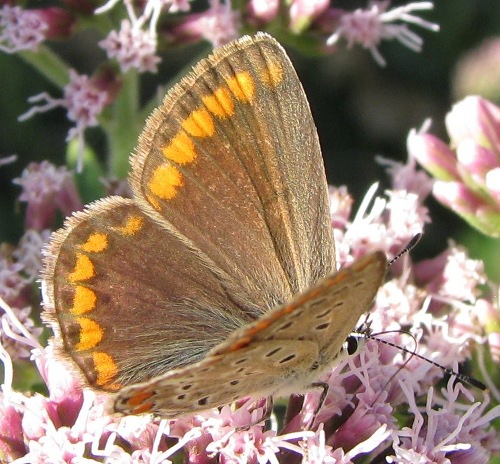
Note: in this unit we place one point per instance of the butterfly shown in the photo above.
(217, 281)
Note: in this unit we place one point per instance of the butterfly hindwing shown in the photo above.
(124, 313)
(325, 314)
(282, 352)
(256, 370)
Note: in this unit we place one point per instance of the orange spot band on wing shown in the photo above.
(91, 334)
(181, 148)
(96, 243)
(220, 103)
(272, 75)
(143, 408)
(165, 182)
(250, 334)
(84, 300)
(242, 86)
(138, 403)
(105, 367)
(153, 202)
(139, 397)
(84, 269)
(199, 123)
(132, 225)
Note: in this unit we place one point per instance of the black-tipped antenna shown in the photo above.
(411, 244)
(459, 376)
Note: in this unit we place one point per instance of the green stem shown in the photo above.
(47, 63)
(122, 129)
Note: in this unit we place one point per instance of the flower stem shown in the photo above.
(124, 126)
(47, 63)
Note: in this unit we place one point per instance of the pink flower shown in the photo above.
(389, 225)
(11, 432)
(263, 11)
(132, 47)
(340, 206)
(367, 395)
(434, 154)
(21, 29)
(135, 44)
(16, 296)
(304, 12)
(487, 315)
(453, 432)
(452, 274)
(13, 284)
(28, 251)
(47, 189)
(219, 25)
(468, 172)
(368, 27)
(407, 177)
(84, 99)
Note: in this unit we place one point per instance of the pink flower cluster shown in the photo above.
(139, 31)
(21, 29)
(46, 190)
(467, 172)
(84, 100)
(382, 400)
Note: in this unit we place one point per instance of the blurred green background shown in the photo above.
(361, 110)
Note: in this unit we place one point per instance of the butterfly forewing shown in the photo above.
(324, 314)
(231, 161)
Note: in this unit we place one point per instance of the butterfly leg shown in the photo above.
(324, 387)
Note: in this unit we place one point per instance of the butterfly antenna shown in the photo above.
(410, 245)
(368, 334)
(459, 376)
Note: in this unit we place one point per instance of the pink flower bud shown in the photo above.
(490, 321)
(434, 155)
(12, 441)
(457, 196)
(263, 11)
(304, 12)
(475, 118)
(60, 23)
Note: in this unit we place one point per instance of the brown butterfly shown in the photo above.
(217, 281)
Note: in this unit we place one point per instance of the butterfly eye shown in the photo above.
(351, 344)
